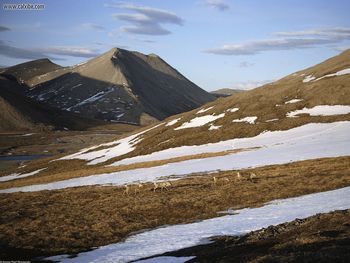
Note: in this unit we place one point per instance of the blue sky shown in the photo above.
(214, 43)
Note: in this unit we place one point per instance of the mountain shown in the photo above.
(26, 73)
(119, 86)
(20, 113)
(225, 92)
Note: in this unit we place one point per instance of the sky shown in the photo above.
(216, 44)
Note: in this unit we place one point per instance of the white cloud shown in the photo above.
(70, 51)
(49, 52)
(146, 20)
(334, 33)
(218, 4)
(286, 41)
(249, 84)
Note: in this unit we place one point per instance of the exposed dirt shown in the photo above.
(75, 219)
(320, 238)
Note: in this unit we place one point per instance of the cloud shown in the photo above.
(286, 41)
(81, 52)
(146, 20)
(339, 33)
(246, 64)
(49, 52)
(218, 4)
(92, 26)
(4, 28)
(14, 52)
(250, 84)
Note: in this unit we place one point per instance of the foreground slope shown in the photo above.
(120, 86)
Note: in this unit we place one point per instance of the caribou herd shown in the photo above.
(164, 186)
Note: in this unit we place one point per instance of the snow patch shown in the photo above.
(166, 259)
(308, 78)
(18, 176)
(93, 98)
(118, 147)
(213, 127)
(293, 101)
(250, 120)
(204, 110)
(78, 85)
(266, 139)
(172, 122)
(175, 237)
(310, 141)
(321, 110)
(200, 121)
(339, 73)
(232, 110)
(271, 120)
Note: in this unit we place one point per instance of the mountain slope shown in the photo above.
(279, 120)
(121, 86)
(25, 72)
(287, 103)
(19, 113)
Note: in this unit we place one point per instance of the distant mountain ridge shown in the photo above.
(225, 92)
(119, 86)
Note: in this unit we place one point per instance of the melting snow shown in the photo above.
(175, 237)
(250, 120)
(18, 176)
(262, 140)
(270, 120)
(170, 123)
(308, 78)
(311, 141)
(322, 110)
(213, 127)
(204, 110)
(78, 85)
(293, 101)
(118, 147)
(93, 98)
(166, 259)
(200, 121)
(233, 109)
(339, 73)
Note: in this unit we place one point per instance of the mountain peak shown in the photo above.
(122, 86)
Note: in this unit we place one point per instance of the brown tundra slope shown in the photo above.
(247, 114)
